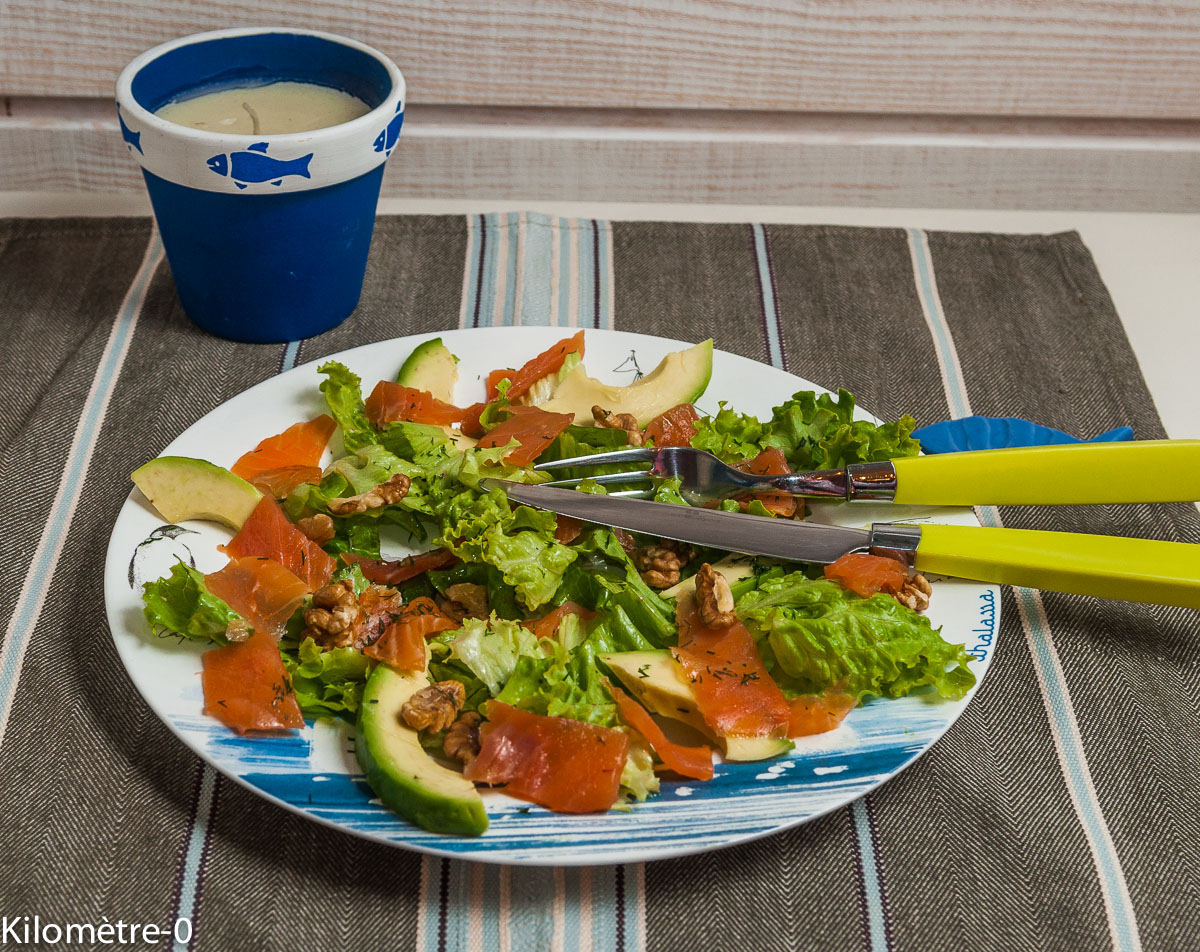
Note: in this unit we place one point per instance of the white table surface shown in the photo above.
(1150, 262)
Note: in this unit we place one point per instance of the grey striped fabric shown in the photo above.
(1061, 811)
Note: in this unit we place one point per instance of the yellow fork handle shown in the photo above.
(1135, 570)
(1141, 471)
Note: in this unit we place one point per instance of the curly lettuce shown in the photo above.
(815, 635)
(181, 604)
(729, 435)
(490, 649)
(343, 392)
(326, 682)
(565, 684)
(813, 431)
(519, 542)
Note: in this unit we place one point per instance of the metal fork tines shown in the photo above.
(610, 458)
(702, 477)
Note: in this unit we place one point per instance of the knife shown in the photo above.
(1136, 570)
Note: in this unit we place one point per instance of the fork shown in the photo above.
(1061, 474)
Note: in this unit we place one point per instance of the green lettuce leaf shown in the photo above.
(354, 573)
(568, 683)
(502, 599)
(565, 684)
(667, 490)
(413, 441)
(490, 649)
(343, 393)
(570, 633)
(355, 534)
(371, 465)
(443, 666)
(494, 411)
(519, 542)
(326, 682)
(613, 630)
(814, 635)
(814, 432)
(729, 435)
(181, 604)
(603, 576)
(477, 464)
(582, 441)
(307, 499)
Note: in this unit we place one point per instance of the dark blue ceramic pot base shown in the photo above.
(268, 268)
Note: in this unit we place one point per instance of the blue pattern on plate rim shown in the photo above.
(824, 772)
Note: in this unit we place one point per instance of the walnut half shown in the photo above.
(619, 421)
(714, 599)
(334, 613)
(915, 593)
(385, 494)
(462, 740)
(434, 708)
(318, 527)
(660, 564)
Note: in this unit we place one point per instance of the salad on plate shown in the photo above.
(569, 664)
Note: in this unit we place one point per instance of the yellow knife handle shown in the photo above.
(1140, 471)
(1135, 570)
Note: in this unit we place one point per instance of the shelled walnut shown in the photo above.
(660, 564)
(331, 620)
(608, 420)
(385, 494)
(714, 599)
(318, 527)
(915, 593)
(462, 740)
(434, 708)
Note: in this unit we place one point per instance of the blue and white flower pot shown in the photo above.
(267, 236)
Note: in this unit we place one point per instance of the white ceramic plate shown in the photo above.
(314, 772)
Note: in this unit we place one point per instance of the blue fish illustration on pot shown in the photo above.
(386, 140)
(132, 139)
(254, 166)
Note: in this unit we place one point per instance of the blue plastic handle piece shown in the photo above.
(993, 433)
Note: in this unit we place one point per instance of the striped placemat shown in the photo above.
(1061, 811)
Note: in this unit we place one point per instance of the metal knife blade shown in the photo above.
(735, 532)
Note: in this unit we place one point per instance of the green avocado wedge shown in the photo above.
(399, 770)
(181, 488)
(430, 367)
(656, 679)
(680, 377)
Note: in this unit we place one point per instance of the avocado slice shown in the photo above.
(657, 680)
(182, 488)
(680, 377)
(399, 770)
(430, 367)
